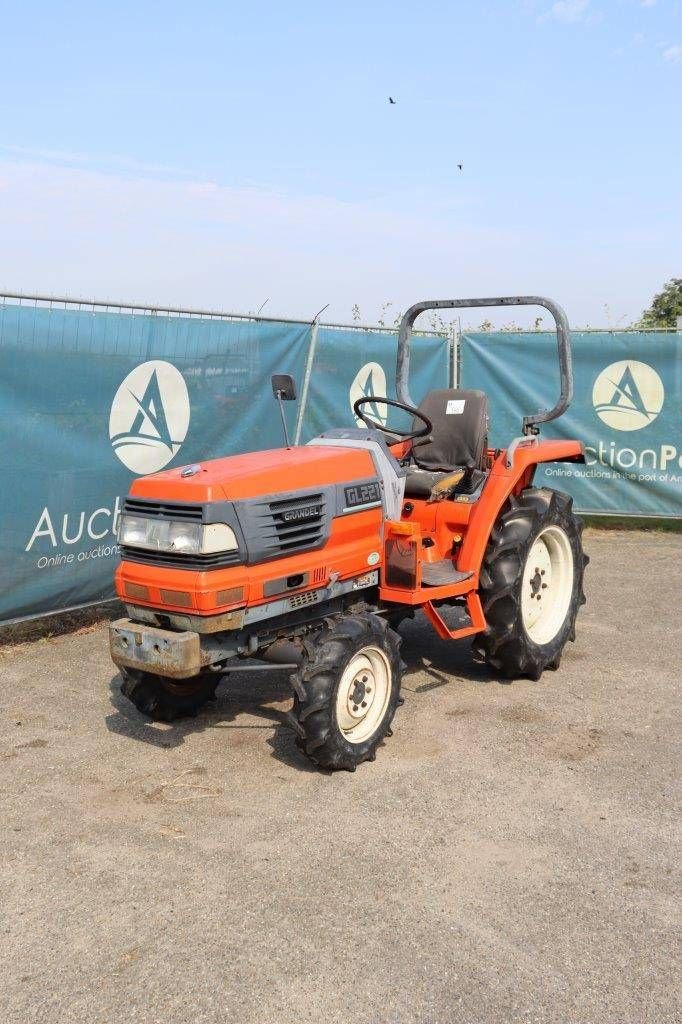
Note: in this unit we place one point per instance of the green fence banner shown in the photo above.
(91, 398)
(627, 410)
(348, 366)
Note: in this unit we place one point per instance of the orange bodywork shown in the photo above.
(258, 474)
(460, 531)
(353, 538)
(438, 531)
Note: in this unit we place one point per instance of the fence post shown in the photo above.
(453, 342)
(306, 379)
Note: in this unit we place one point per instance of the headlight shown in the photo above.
(132, 530)
(183, 538)
(218, 537)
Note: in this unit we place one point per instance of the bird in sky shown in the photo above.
(391, 100)
(459, 166)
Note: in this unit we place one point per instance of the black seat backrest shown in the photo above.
(460, 430)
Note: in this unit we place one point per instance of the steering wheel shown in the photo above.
(406, 435)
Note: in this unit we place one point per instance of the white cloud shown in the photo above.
(570, 12)
(87, 233)
(672, 53)
(109, 160)
(81, 232)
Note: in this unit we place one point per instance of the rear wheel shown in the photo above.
(347, 691)
(163, 699)
(531, 584)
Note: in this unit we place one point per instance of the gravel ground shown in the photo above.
(509, 857)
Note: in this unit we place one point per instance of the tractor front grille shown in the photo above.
(295, 524)
(284, 526)
(177, 560)
(267, 528)
(178, 511)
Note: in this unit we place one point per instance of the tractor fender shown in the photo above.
(542, 450)
(512, 471)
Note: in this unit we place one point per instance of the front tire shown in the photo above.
(347, 691)
(531, 584)
(163, 699)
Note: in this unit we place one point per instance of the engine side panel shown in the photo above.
(390, 471)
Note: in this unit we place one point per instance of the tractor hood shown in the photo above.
(257, 474)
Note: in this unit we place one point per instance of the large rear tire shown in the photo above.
(165, 700)
(531, 584)
(347, 690)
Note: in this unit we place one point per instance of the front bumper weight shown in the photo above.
(149, 649)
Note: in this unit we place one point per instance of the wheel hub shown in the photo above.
(536, 583)
(361, 695)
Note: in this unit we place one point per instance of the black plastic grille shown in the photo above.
(174, 560)
(294, 524)
(180, 512)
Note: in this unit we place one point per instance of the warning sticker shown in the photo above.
(455, 406)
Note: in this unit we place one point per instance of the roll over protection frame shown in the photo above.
(531, 422)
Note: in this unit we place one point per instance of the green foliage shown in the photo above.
(382, 314)
(436, 323)
(665, 307)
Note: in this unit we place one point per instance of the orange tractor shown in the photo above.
(306, 558)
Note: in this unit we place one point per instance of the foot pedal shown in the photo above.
(441, 574)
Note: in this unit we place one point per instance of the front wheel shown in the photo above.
(531, 584)
(163, 699)
(347, 690)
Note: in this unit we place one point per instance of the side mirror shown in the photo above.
(284, 390)
(284, 387)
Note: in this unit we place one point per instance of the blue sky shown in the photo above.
(217, 154)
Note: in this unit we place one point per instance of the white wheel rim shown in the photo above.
(363, 694)
(547, 585)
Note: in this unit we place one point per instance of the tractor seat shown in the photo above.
(458, 441)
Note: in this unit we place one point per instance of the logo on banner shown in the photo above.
(149, 416)
(370, 382)
(628, 395)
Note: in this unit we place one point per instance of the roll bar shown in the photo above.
(563, 334)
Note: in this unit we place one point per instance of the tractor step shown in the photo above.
(440, 574)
